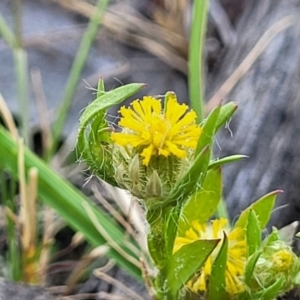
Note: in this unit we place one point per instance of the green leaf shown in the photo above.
(184, 263)
(106, 100)
(272, 291)
(297, 277)
(262, 207)
(249, 269)
(202, 205)
(192, 178)
(272, 237)
(93, 141)
(100, 88)
(171, 227)
(217, 278)
(226, 160)
(208, 129)
(69, 203)
(226, 113)
(196, 63)
(253, 233)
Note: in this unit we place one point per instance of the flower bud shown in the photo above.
(276, 261)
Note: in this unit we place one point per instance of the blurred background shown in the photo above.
(251, 57)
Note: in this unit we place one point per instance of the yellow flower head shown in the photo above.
(283, 260)
(236, 257)
(155, 131)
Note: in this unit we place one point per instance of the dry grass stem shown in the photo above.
(248, 61)
(132, 210)
(130, 27)
(222, 23)
(116, 215)
(28, 194)
(82, 266)
(146, 271)
(98, 273)
(41, 103)
(98, 296)
(113, 244)
(170, 15)
(8, 118)
(10, 214)
(50, 227)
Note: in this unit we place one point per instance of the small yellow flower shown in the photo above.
(283, 260)
(236, 257)
(155, 131)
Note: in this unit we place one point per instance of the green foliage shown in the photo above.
(226, 160)
(70, 203)
(93, 136)
(208, 129)
(77, 67)
(203, 204)
(217, 279)
(225, 114)
(271, 292)
(262, 208)
(192, 178)
(183, 264)
(195, 63)
(253, 233)
(250, 265)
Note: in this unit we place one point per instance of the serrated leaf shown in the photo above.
(184, 263)
(249, 269)
(202, 205)
(208, 129)
(217, 278)
(226, 160)
(253, 233)
(262, 207)
(225, 114)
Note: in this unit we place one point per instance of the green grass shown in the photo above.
(195, 60)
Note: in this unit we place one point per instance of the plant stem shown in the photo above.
(196, 65)
(21, 70)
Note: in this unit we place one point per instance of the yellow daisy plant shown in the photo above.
(236, 257)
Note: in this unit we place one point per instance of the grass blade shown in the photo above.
(79, 62)
(67, 201)
(196, 65)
